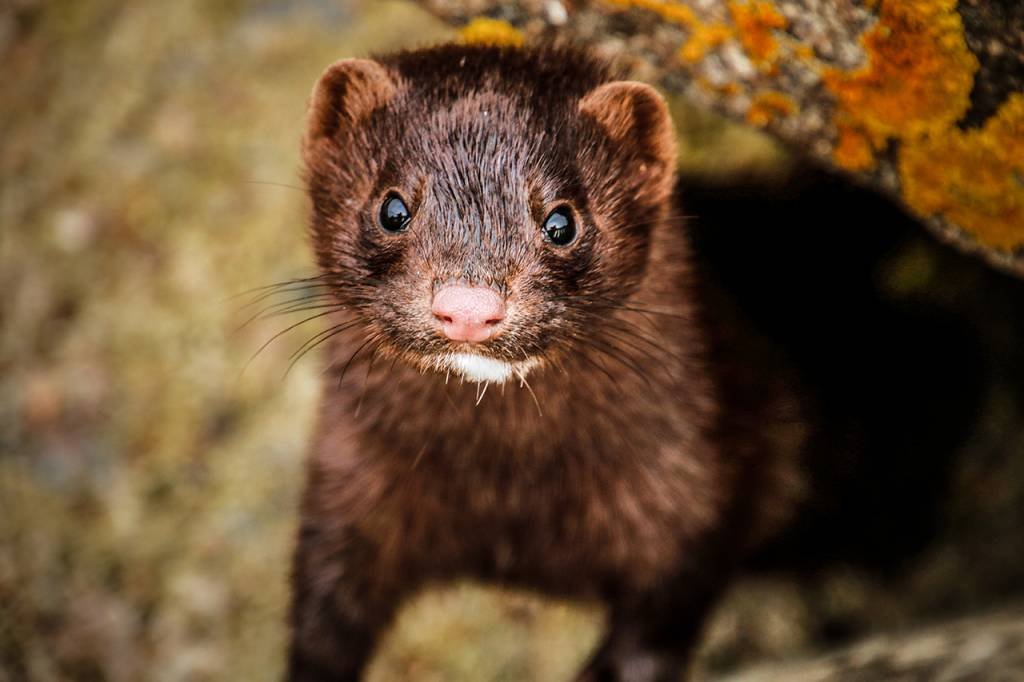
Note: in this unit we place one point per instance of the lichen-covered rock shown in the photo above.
(921, 99)
(987, 647)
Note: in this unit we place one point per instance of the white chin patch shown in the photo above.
(484, 370)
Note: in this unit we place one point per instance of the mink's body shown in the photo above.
(603, 442)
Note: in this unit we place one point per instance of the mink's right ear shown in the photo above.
(344, 94)
(637, 118)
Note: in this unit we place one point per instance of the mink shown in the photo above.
(528, 383)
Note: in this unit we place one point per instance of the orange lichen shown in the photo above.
(803, 51)
(672, 10)
(486, 31)
(974, 178)
(755, 23)
(918, 77)
(853, 150)
(727, 89)
(704, 37)
(755, 20)
(767, 106)
(914, 88)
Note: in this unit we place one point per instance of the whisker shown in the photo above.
(321, 282)
(429, 441)
(348, 363)
(598, 366)
(326, 334)
(293, 306)
(286, 306)
(626, 340)
(366, 379)
(287, 282)
(621, 357)
(660, 347)
(611, 304)
(523, 382)
(275, 184)
(313, 289)
(341, 326)
(281, 333)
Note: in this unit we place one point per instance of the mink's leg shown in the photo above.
(652, 639)
(339, 606)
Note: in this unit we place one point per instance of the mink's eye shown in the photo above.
(559, 227)
(394, 214)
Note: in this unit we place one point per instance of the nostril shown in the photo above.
(468, 313)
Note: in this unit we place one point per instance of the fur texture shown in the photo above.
(617, 469)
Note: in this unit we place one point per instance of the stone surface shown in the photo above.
(989, 647)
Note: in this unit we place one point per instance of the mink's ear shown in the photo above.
(634, 115)
(345, 93)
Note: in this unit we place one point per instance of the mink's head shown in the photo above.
(484, 210)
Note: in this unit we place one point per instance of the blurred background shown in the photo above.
(149, 472)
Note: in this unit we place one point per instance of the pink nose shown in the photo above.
(468, 313)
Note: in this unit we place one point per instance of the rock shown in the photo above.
(984, 647)
(922, 100)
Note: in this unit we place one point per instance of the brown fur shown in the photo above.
(620, 471)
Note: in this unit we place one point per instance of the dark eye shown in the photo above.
(394, 214)
(559, 226)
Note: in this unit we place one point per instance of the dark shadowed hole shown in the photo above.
(899, 340)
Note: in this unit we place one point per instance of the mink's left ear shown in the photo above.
(348, 91)
(635, 116)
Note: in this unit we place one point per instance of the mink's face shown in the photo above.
(486, 233)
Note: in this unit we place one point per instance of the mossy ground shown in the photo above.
(149, 172)
(148, 484)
